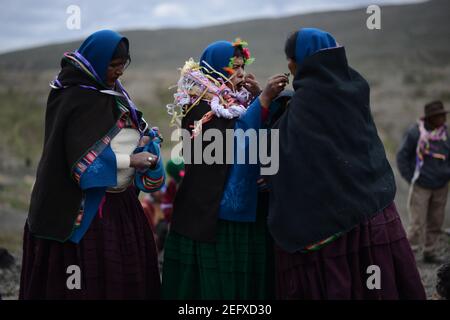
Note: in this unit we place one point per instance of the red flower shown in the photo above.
(246, 53)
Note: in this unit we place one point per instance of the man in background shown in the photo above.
(423, 160)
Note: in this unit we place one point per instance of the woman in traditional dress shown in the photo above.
(86, 236)
(332, 214)
(218, 246)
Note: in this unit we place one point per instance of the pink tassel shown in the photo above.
(100, 209)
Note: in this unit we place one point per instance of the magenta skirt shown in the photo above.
(340, 269)
(117, 257)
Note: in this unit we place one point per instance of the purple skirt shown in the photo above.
(340, 269)
(117, 257)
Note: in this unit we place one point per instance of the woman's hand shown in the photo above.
(273, 88)
(143, 160)
(144, 140)
(251, 84)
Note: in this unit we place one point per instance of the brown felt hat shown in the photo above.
(434, 108)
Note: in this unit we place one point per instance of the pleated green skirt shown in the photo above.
(239, 265)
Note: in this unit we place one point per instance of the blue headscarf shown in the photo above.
(311, 40)
(99, 48)
(217, 55)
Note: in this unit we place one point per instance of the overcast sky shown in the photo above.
(27, 23)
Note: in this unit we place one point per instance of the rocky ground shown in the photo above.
(10, 279)
(428, 271)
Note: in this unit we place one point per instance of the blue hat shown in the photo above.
(99, 49)
(217, 55)
(310, 41)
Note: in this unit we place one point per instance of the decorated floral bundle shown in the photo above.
(197, 83)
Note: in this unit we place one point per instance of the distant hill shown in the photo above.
(407, 63)
(412, 37)
(408, 58)
(415, 31)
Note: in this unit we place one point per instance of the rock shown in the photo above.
(6, 259)
(10, 278)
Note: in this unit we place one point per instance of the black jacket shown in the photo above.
(197, 202)
(333, 171)
(435, 173)
(76, 118)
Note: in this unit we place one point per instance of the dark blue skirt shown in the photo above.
(340, 269)
(117, 257)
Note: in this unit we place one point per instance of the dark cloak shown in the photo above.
(76, 119)
(72, 126)
(196, 205)
(333, 171)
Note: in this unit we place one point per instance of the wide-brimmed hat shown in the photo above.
(434, 108)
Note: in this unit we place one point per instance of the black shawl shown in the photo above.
(197, 201)
(333, 171)
(76, 118)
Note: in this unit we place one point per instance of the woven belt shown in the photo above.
(116, 190)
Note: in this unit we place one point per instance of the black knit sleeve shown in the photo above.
(406, 155)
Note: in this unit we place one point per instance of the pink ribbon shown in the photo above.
(100, 208)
